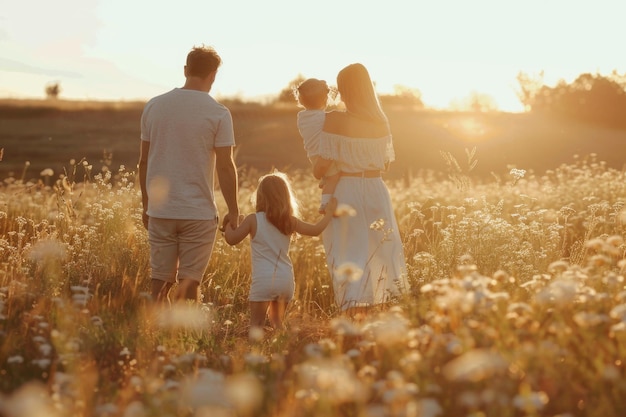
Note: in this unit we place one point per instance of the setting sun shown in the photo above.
(446, 50)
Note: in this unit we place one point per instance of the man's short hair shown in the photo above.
(202, 60)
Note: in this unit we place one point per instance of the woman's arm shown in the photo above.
(320, 167)
(234, 236)
(309, 229)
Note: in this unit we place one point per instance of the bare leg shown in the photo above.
(258, 312)
(161, 291)
(276, 312)
(187, 290)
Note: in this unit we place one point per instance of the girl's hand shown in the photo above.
(331, 206)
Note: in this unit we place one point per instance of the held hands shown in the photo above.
(232, 221)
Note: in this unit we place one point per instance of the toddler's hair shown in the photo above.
(312, 93)
(275, 198)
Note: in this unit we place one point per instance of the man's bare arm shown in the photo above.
(143, 169)
(229, 182)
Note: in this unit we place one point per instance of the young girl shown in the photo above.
(270, 230)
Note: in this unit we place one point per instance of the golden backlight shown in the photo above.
(469, 128)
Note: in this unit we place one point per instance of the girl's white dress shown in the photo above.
(272, 271)
(363, 247)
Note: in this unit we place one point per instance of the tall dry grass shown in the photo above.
(517, 307)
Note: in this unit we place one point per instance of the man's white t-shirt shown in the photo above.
(183, 128)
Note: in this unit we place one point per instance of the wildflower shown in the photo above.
(332, 379)
(15, 359)
(343, 326)
(256, 334)
(245, 392)
(618, 312)
(559, 292)
(428, 407)
(558, 266)
(531, 402)
(377, 225)
(255, 359)
(345, 210)
(618, 328)
(185, 315)
(388, 330)
(135, 409)
(348, 272)
(584, 319)
(517, 174)
(475, 365)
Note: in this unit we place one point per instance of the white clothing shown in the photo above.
(310, 126)
(183, 128)
(272, 271)
(350, 242)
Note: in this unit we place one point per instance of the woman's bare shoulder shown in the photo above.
(335, 122)
(342, 123)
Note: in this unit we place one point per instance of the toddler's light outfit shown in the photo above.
(310, 126)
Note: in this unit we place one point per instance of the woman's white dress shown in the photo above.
(364, 251)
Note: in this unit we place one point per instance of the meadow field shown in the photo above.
(517, 305)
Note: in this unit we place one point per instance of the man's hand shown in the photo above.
(230, 220)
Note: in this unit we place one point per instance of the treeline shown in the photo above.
(591, 98)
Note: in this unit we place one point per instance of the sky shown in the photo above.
(446, 49)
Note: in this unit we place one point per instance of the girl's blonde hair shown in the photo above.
(357, 92)
(275, 198)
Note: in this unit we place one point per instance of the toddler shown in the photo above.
(312, 94)
(270, 230)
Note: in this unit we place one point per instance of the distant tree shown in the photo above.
(475, 102)
(403, 96)
(592, 98)
(53, 90)
(529, 87)
(286, 94)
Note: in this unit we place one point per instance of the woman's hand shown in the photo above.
(320, 167)
(331, 206)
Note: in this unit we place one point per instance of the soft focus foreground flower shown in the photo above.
(530, 401)
(47, 250)
(348, 272)
(560, 292)
(245, 392)
(517, 174)
(206, 390)
(475, 365)
(345, 210)
(185, 315)
(585, 319)
(30, 400)
(388, 329)
(332, 379)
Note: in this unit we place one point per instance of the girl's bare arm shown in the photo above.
(234, 236)
(314, 229)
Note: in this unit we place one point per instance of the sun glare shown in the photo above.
(469, 128)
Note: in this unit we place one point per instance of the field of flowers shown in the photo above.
(517, 307)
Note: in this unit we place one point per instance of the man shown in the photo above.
(186, 137)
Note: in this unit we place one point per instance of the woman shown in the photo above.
(364, 252)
